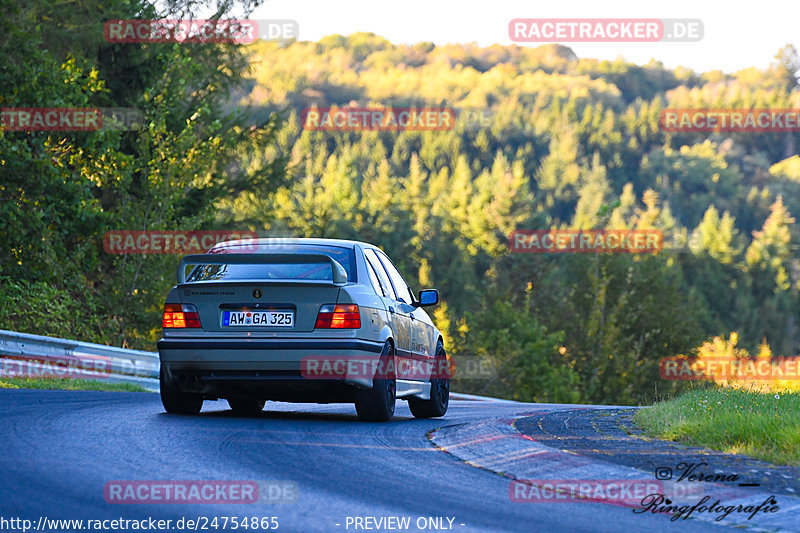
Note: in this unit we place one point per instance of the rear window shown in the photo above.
(309, 271)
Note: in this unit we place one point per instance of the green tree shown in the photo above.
(718, 237)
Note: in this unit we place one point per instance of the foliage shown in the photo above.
(61, 191)
(563, 142)
(747, 422)
(68, 384)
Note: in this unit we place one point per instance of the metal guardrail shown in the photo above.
(26, 355)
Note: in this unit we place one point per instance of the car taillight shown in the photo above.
(180, 316)
(338, 316)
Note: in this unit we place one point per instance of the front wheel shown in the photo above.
(175, 401)
(440, 390)
(377, 404)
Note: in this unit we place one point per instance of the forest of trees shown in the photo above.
(566, 142)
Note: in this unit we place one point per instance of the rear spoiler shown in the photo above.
(339, 273)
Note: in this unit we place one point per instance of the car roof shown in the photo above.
(266, 241)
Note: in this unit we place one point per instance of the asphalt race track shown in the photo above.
(60, 448)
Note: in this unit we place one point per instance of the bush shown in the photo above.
(42, 309)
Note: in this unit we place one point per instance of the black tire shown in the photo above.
(440, 391)
(246, 406)
(175, 401)
(377, 404)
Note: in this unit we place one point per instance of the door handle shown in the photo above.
(391, 309)
(412, 317)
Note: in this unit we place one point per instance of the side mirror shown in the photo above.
(427, 297)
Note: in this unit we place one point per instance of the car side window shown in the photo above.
(373, 261)
(400, 286)
(376, 283)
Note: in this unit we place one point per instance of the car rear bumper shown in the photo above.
(214, 363)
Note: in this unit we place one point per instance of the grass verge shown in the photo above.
(757, 424)
(67, 384)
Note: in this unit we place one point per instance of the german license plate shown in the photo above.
(273, 319)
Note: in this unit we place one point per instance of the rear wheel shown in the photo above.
(377, 404)
(440, 390)
(175, 401)
(246, 406)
